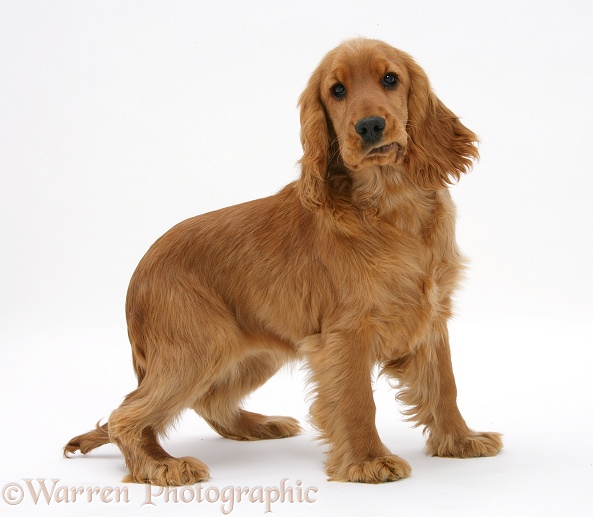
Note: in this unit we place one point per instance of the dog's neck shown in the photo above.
(390, 195)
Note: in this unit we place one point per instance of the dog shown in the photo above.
(349, 267)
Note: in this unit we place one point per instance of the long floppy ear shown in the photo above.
(312, 184)
(440, 147)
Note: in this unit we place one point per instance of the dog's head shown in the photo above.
(368, 104)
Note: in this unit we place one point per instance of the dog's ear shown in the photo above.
(315, 140)
(440, 147)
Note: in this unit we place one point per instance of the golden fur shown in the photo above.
(351, 266)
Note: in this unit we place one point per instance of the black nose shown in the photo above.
(370, 129)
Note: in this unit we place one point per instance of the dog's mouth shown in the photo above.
(384, 149)
(387, 154)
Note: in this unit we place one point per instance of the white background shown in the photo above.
(119, 119)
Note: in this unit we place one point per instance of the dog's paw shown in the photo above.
(260, 427)
(169, 472)
(253, 426)
(377, 470)
(471, 445)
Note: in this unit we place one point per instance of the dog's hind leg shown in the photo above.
(136, 424)
(88, 441)
(220, 406)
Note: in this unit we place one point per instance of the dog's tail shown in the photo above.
(88, 441)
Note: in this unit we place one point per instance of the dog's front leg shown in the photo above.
(344, 410)
(429, 390)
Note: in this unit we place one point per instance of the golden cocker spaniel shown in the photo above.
(351, 266)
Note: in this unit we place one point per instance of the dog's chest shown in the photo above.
(405, 286)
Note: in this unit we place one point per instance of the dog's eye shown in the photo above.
(390, 80)
(338, 90)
